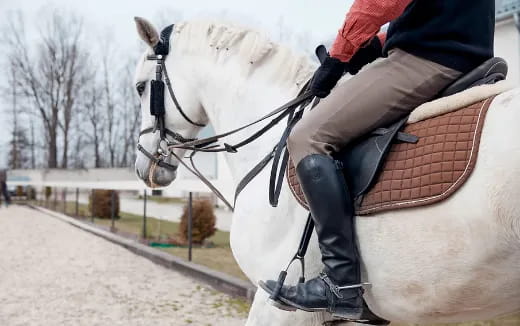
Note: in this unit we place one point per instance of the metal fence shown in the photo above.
(59, 199)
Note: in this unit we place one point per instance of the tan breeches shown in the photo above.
(381, 94)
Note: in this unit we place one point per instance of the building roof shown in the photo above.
(506, 8)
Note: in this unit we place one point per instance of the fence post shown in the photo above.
(64, 200)
(77, 203)
(92, 203)
(55, 202)
(113, 209)
(190, 226)
(144, 214)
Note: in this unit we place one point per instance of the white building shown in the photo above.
(507, 40)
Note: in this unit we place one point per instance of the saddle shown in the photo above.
(415, 164)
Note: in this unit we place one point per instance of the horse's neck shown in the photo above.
(232, 100)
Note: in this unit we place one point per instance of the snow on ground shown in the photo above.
(52, 273)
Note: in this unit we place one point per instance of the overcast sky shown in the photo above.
(320, 19)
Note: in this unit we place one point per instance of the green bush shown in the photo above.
(31, 193)
(48, 192)
(203, 221)
(100, 203)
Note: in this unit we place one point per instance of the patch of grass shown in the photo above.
(132, 223)
(164, 200)
(218, 258)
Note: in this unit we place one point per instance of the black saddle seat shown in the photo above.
(490, 72)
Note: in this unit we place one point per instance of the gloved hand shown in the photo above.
(365, 55)
(327, 76)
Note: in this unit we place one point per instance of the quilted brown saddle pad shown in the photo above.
(424, 173)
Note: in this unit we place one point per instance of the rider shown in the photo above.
(429, 45)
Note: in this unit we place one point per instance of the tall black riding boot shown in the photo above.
(338, 289)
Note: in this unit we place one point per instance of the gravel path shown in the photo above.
(52, 273)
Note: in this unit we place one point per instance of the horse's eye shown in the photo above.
(140, 88)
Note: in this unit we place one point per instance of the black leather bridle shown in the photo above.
(157, 106)
(293, 110)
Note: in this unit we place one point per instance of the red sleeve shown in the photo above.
(363, 21)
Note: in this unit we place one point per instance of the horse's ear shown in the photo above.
(146, 31)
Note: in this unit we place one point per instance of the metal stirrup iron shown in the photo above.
(300, 256)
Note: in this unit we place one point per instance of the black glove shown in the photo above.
(365, 55)
(327, 76)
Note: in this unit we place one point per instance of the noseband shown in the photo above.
(157, 106)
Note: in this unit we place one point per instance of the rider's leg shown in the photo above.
(377, 96)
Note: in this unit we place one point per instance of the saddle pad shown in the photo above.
(426, 172)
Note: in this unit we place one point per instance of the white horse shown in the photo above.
(454, 261)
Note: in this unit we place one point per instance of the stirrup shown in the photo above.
(299, 256)
(368, 317)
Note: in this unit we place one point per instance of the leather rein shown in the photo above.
(292, 110)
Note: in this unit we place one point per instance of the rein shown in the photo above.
(297, 105)
(293, 110)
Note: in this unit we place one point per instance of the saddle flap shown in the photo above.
(363, 159)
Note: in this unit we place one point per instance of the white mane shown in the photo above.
(252, 48)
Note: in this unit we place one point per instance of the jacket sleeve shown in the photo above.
(362, 23)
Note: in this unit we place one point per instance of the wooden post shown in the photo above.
(64, 200)
(92, 203)
(113, 209)
(55, 204)
(77, 203)
(144, 214)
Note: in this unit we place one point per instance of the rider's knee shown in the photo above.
(297, 139)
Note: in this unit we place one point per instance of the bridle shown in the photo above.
(157, 106)
(293, 110)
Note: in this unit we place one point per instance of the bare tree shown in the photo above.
(92, 103)
(109, 101)
(14, 153)
(19, 147)
(32, 146)
(50, 77)
(131, 117)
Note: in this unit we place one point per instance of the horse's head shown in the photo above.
(170, 110)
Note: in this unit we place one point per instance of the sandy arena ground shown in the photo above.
(52, 273)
